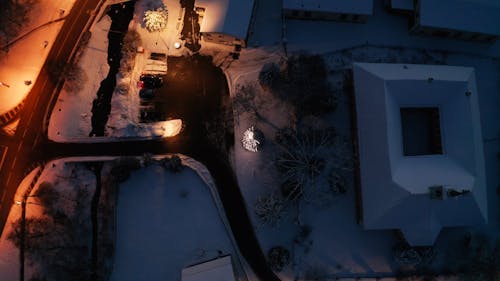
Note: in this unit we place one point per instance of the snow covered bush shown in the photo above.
(278, 257)
(475, 258)
(74, 77)
(13, 16)
(173, 163)
(131, 42)
(304, 83)
(270, 209)
(270, 76)
(252, 139)
(301, 158)
(147, 159)
(156, 20)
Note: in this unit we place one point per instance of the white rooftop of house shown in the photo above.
(219, 269)
(466, 15)
(357, 7)
(231, 17)
(395, 187)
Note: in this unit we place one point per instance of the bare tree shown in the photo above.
(271, 209)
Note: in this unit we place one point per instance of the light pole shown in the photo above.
(23, 203)
(4, 84)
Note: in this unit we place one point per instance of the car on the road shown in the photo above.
(150, 81)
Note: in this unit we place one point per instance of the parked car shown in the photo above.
(146, 93)
(150, 81)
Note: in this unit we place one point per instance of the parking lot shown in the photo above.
(192, 90)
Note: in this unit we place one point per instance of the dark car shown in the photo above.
(150, 81)
(146, 93)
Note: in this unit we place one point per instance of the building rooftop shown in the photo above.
(225, 16)
(219, 269)
(479, 16)
(396, 188)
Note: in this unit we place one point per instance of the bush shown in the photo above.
(270, 76)
(270, 209)
(173, 163)
(304, 82)
(278, 257)
(301, 158)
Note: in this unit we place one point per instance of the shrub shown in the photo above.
(278, 257)
(270, 76)
(173, 163)
(270, 209)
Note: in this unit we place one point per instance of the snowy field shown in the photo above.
(25, 58)
(166, 219)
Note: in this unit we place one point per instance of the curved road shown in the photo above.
(30, 145)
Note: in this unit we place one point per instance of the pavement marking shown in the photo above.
(4, 153)
(24, 134)
(19, 147)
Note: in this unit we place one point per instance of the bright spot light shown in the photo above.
(18, 202)
(177, 45)
(171, 127)
(249, 142)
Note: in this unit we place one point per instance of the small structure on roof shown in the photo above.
(475, 20)
(219, 269)
(420, 149)
(339, 10)
(224, 21)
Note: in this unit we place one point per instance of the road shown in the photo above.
(23, 149)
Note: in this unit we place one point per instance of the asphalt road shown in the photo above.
(23, 149)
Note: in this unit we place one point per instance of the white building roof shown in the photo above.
(220, 269)
(395, 188)
(465, 15)
(231, 17)
(357, 7)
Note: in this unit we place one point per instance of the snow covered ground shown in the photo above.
(182, 226)
(25, 58)
(71, 117)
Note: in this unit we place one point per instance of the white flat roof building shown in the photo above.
(469, 16)
(403, 111)
(219, 269)
(228, 17)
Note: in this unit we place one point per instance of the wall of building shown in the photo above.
(221, 38)
(317, 15)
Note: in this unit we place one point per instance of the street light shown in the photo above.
(4, 84)
(23, 232)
